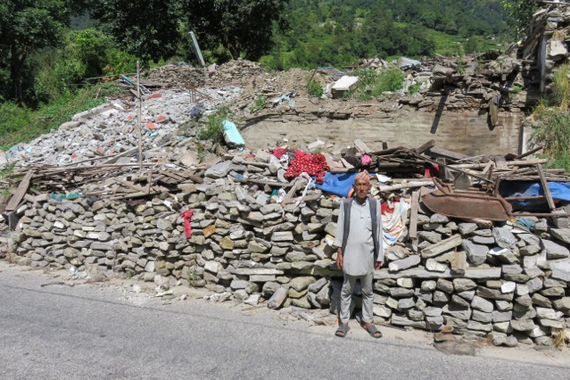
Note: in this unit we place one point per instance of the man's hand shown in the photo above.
(377, 264)
(339, 259)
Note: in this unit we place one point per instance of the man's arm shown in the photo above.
(339, 237)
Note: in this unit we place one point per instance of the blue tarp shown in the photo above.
(558, 190)
(233, 137)
(339, 184)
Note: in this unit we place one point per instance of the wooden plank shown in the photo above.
(544, 184)
(501, 163)
(440, 152)
(20, 192)
(413, 229)
(430, 144)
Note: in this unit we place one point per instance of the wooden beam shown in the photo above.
(413, 229)
(544, 184)
(20, 192)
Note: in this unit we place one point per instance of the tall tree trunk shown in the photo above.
(17, 59)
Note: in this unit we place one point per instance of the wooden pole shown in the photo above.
(139, 112)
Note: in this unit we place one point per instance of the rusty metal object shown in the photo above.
(467, 204)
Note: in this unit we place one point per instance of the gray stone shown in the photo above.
(457, 312)
(430, 236)
(553, 292)
(534, 285)
(504, 236)
(467, 295)
(501, 316)
(477, 326)
(405, 303)
(301, 283)
(316, 286)
(445, 285)
(540, 300)
(522, 325)
(482, 304)
(428, 286)
(408, 262)
(555, 251)
(547, 313)
(561, 271)
(484, 240)
(494, 294)
(562, 234)
(401, 292)
(562, 304)
(505, 255)
(433, 266)
(466, 228)
(476, 253)
(459, 301)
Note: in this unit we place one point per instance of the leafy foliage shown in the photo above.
(338, 33)
(553, 131)
(240, 26)
(146, 29)
(519, 14)
(27, 26)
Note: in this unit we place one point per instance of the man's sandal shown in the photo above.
(373, 331)
(342, 330)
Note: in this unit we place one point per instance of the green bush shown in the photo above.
(314, 88)
(554, 135)
(87, 54)
(214, 128)
(375, 82)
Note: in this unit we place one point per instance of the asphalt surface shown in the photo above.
(52, 328)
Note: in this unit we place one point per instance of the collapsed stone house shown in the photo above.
(249, 229)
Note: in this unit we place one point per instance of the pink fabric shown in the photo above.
(187, 215)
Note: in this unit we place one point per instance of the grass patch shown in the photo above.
(20, 125)
(258, 104)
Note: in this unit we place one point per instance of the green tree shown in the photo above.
(519, 14)
(241, 26)
(26, 26)
(147, 29)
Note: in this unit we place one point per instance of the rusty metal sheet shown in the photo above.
(468, 204)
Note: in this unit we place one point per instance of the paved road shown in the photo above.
(51, 330)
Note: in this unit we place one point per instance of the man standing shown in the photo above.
(359, 251)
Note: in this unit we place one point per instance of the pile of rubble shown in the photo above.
(110, 191)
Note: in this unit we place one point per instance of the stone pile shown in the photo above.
(256, 240)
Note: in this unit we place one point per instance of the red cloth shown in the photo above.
(279, 152)
(187, 215)
(385, 207)
(314, 165)
(431, 170)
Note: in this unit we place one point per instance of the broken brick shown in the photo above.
(162, 119)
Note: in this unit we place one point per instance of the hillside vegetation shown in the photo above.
(51, 59)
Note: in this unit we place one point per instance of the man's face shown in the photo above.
(361, 188)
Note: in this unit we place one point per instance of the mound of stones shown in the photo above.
(252, 241)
